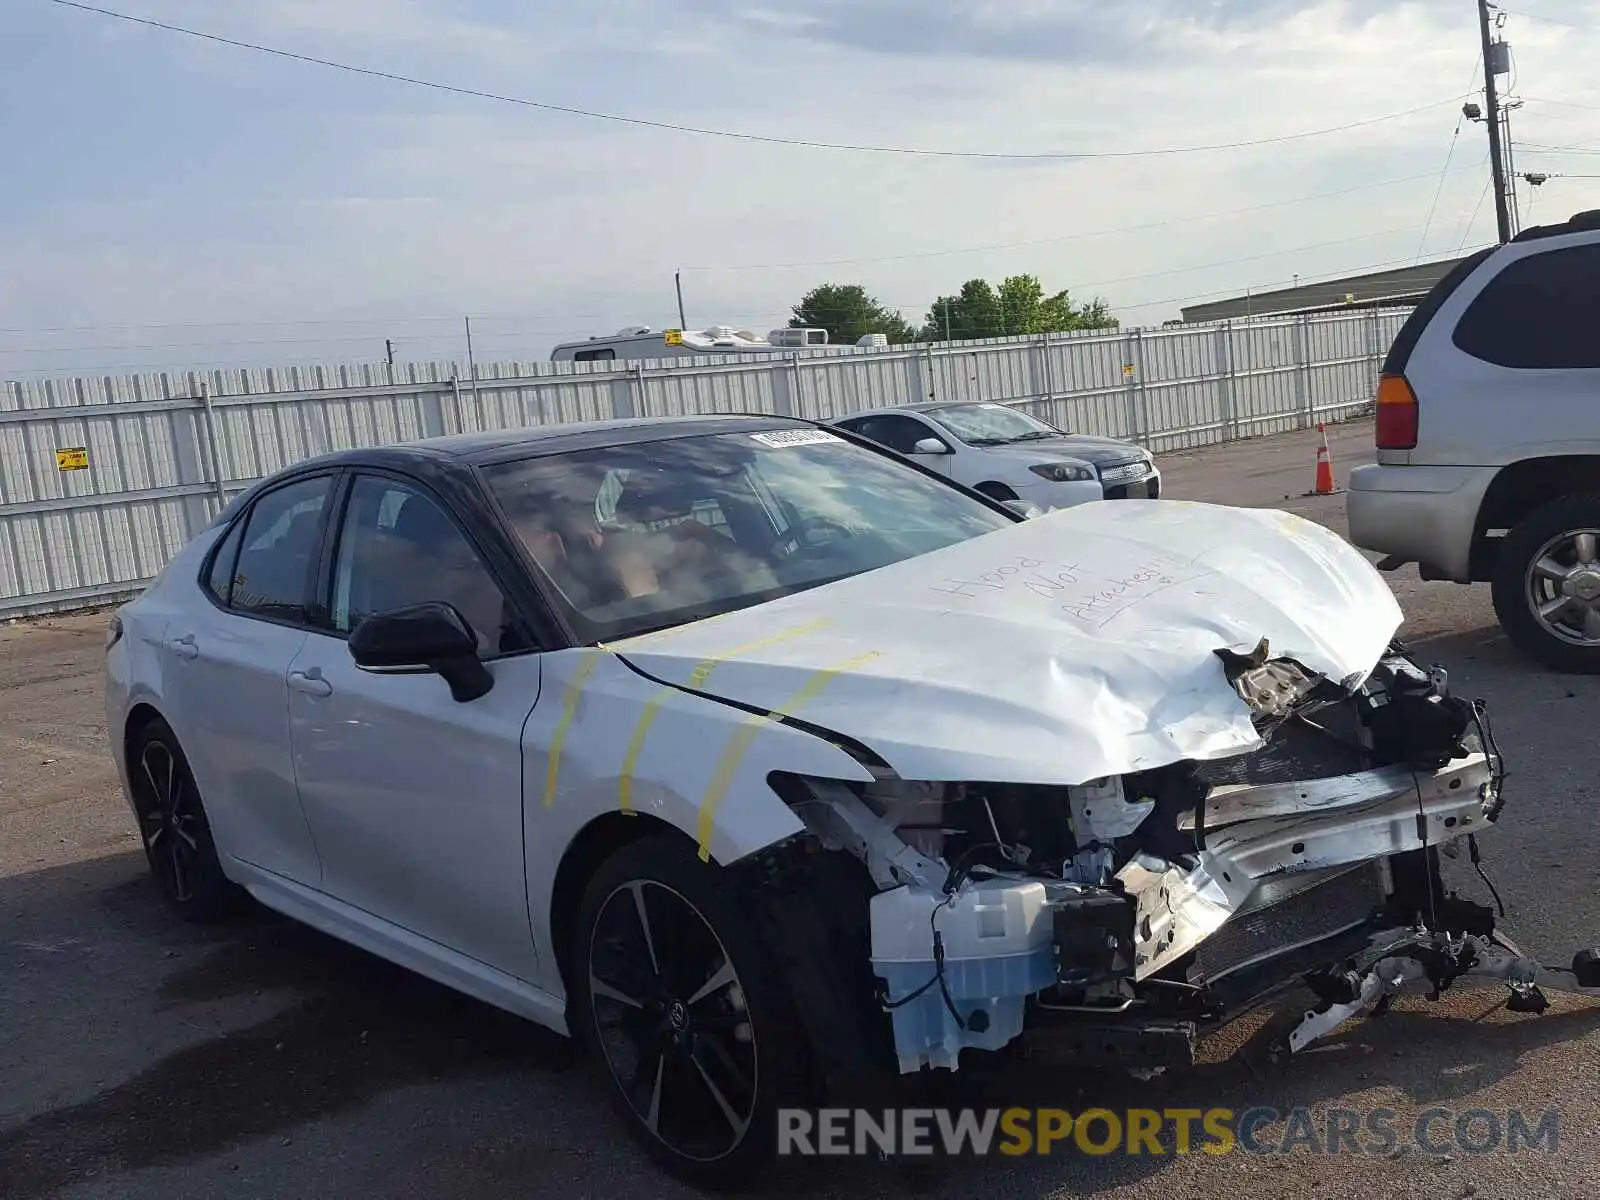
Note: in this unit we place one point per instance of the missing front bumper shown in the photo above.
(1257, 839)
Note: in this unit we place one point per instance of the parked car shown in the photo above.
(1488, 439)
(1008, 454)
(776, 768)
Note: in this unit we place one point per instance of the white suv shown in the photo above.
(1488, 439)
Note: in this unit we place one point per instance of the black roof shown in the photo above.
(501, 445)
(1584, 222)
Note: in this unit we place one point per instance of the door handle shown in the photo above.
(310, 682)
(184, 646)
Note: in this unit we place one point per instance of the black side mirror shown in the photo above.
(424, 637)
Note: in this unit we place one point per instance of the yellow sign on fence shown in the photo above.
(72, 458)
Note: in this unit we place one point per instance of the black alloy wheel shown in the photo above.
(675, 995)
(173, 826)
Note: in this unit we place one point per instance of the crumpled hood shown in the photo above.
(1058, 650)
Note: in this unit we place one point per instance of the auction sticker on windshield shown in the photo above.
(795, 437)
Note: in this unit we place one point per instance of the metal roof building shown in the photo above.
(1405, 285)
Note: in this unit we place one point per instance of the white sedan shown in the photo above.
(776, 768)
(1009, 454)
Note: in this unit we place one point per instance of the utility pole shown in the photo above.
(677, 279)
(388, 350)
(1492, 66)
(1511, 162)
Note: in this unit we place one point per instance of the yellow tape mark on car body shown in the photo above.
(697, 680)
(739, 743)
(569, 709)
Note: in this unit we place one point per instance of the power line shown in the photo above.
(1541, 148)
(373, 339)
(1450, 154)
(1473, 220)
(1067, 237)
(1543, 20)
(1351, 271)
(769, 139)
(386, 322)
(1562, 103)
(1086, 285)
(1361, 237)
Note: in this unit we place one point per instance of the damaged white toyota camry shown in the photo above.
(779, 769)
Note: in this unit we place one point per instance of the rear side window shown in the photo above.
(219, 580)
(281, 536)
(1540, 313)
(1406, 340)
(595, 356)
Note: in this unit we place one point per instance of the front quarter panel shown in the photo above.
(605, 739)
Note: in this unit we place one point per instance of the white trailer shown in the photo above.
(640, 341)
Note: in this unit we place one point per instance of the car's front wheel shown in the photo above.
(675, 993)
(1547, 585)
(172, 823)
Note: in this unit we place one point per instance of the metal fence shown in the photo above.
(103, 479)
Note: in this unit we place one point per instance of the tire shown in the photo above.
(995, 491)
(695, 1068)
(1562, 533)
(173, 827)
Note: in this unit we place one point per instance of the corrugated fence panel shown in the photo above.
(1182, 388)
(1343, 369)
(1264, 377)
(697, 385)
(165, 448)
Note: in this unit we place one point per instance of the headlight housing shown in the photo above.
(1065, 472)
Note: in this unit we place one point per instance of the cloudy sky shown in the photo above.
(174, 201)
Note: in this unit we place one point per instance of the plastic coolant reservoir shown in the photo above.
(997, 936)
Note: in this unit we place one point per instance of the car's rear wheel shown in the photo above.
(1547, 585)
(172, 823)
(676, 994)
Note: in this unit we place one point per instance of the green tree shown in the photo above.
(849, 312)
(1017, 308)
(974, 312)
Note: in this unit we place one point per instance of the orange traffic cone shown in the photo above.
(1325, 484)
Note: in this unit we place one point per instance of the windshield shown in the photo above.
(992, 424)
(645, 536)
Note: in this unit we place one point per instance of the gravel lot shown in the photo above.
(140, 1058)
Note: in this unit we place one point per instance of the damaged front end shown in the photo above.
(1115, 919)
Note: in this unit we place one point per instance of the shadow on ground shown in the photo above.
(354, 1027)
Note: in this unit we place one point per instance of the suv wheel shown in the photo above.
(1547, 585)
(678, 997)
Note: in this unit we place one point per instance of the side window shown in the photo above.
(278, 547)
(874, 429)
(606, 355)
(397, 548)
(219, 579)
(1539, 313)
(899, 433)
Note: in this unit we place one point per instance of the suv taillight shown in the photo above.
(1397, 414)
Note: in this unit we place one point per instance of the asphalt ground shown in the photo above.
(143, 1058)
